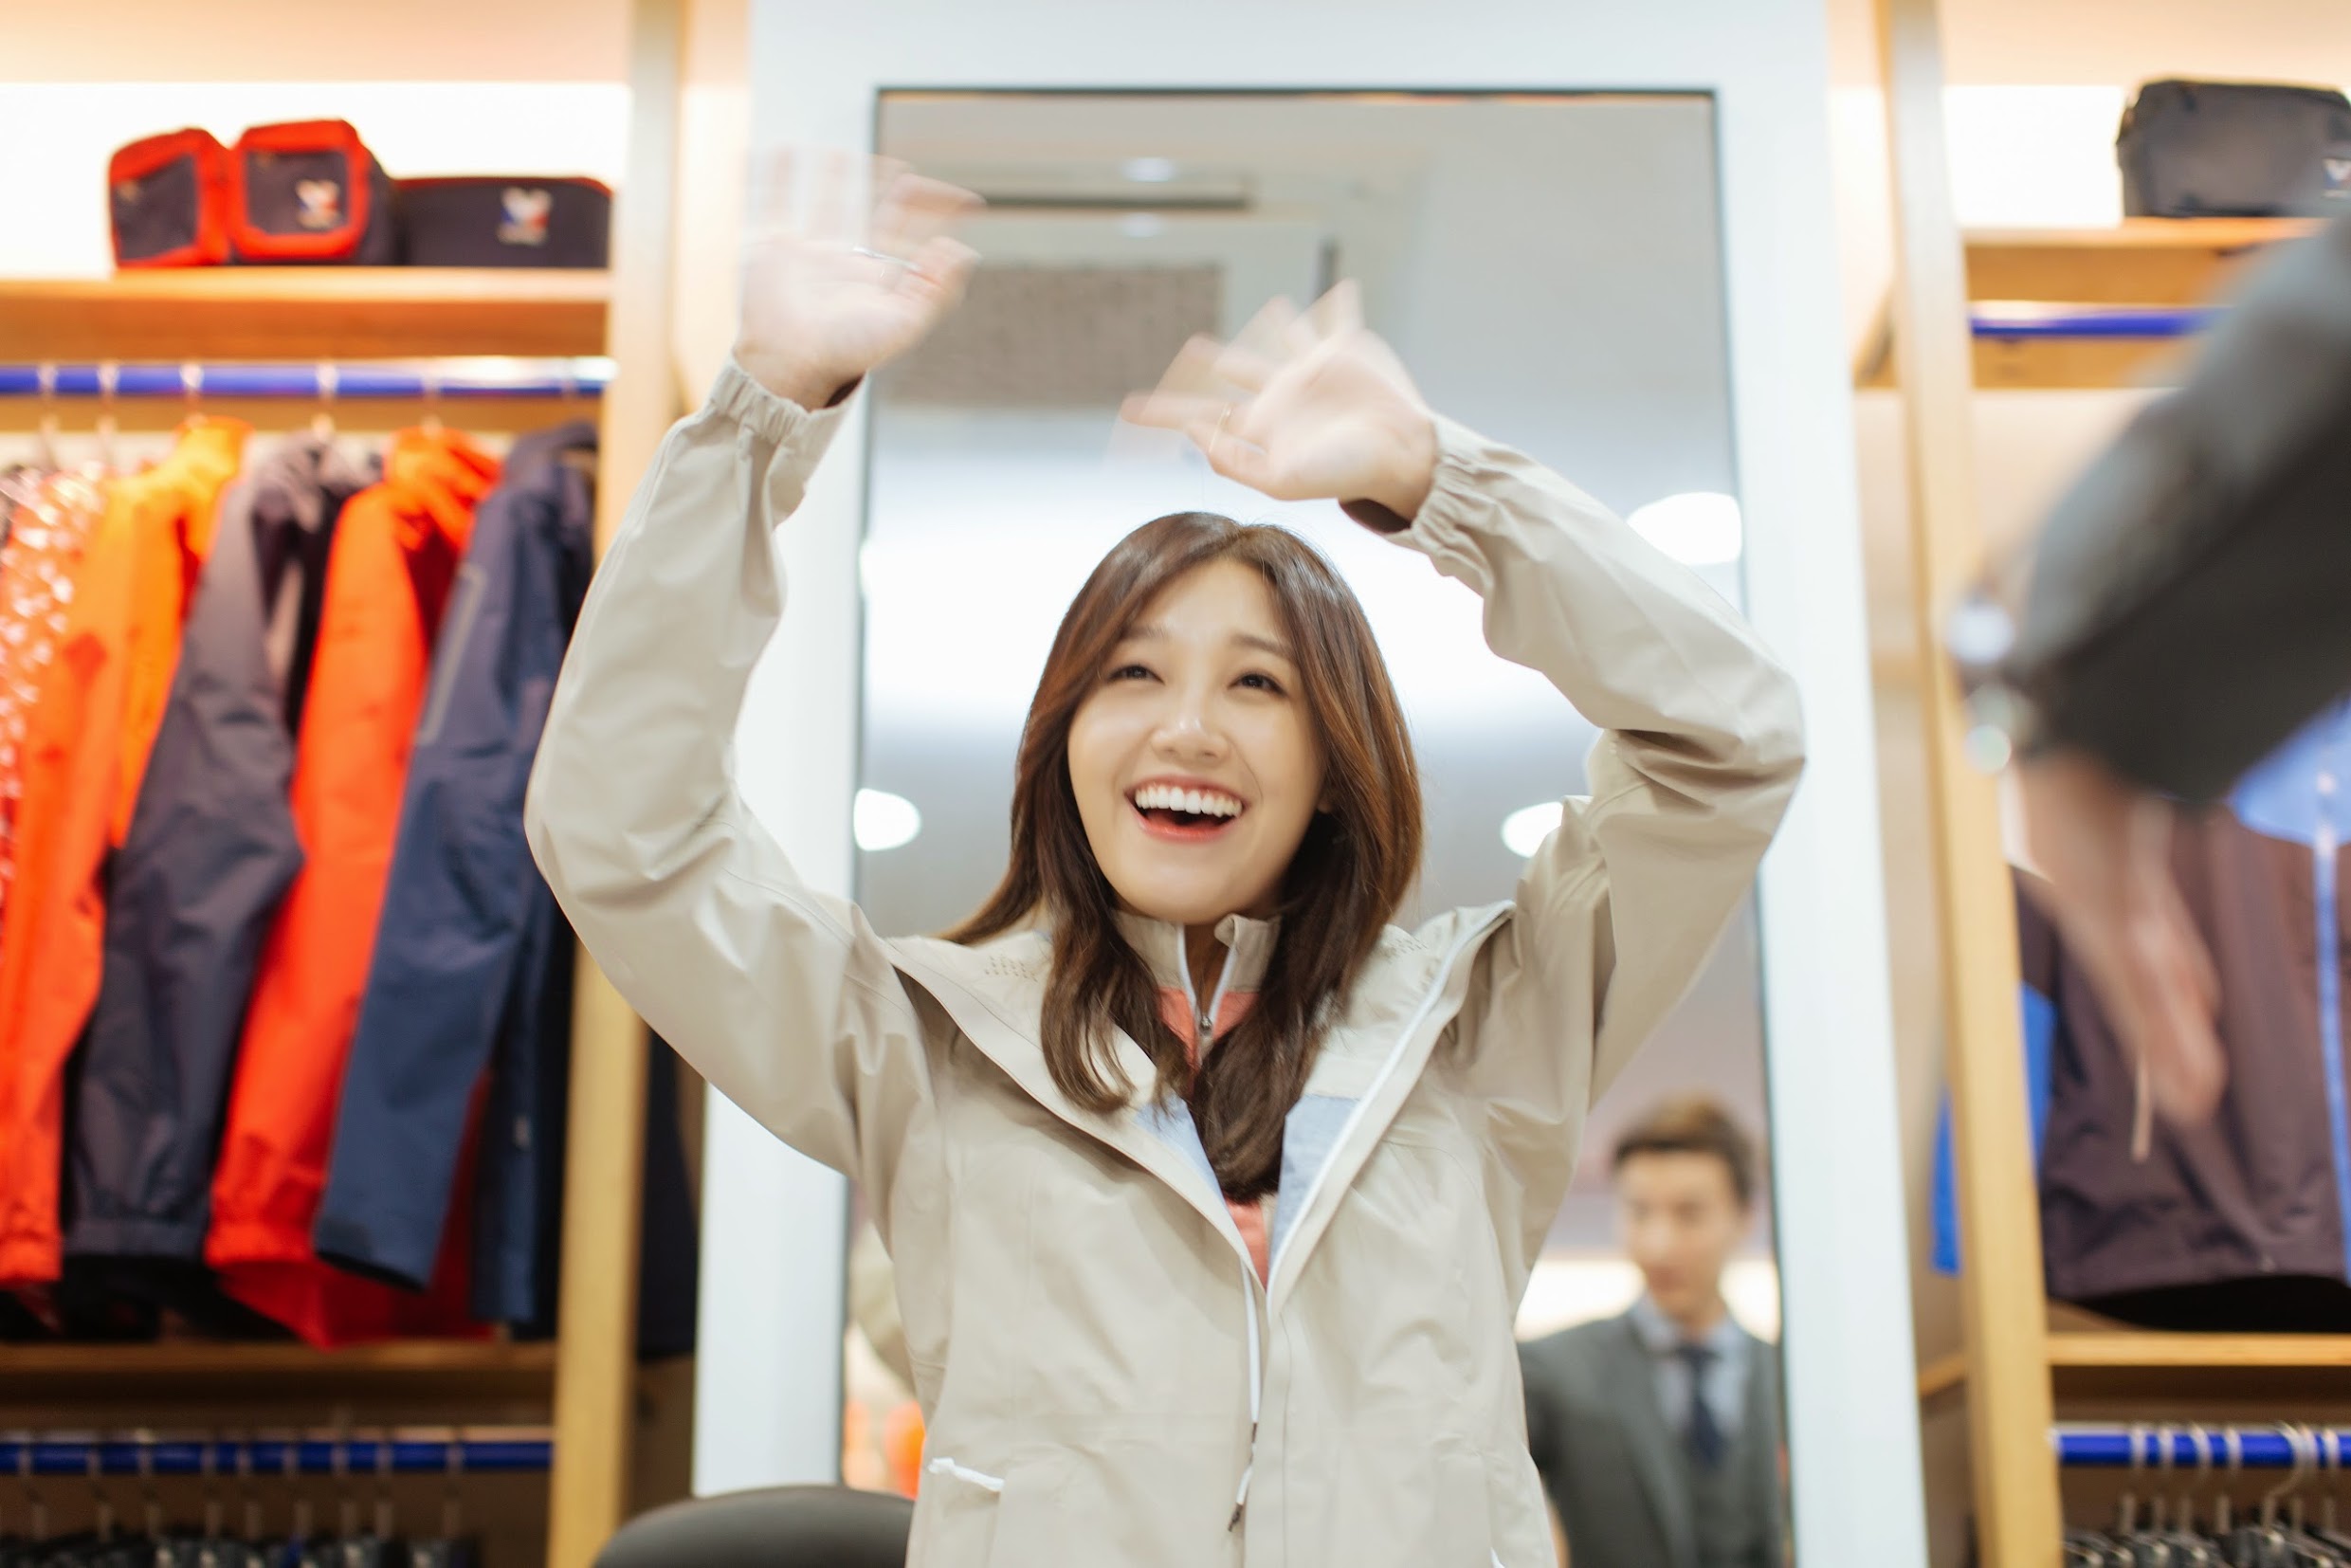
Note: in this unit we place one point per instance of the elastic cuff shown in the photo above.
(743, 399)
(1455, 495)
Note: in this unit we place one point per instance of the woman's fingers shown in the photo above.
(944, 268)
(1244, 369)
(770, 203)
(829, 208)
(1338, 311)
(1267, 336)
(1231, 456)
(1171, 410)
(912, 212)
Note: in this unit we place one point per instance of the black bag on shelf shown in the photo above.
(2234, 149)
(309, 191)
(167, 198)
(504, 221)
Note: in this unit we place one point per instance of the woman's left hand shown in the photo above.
(1302, 407)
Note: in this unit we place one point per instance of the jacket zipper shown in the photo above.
(1204, 1039)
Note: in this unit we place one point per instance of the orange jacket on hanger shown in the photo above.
(395, 555)
(37, 568)
(92, 725)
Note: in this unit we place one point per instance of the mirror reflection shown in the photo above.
(1549, 269)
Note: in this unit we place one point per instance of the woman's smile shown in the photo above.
(1185, 811)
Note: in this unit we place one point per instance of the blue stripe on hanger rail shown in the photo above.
(2119, 1448)
(584, 378)
(2025, 319)
(358, 1457)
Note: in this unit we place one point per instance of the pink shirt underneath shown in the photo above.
(1175, 1009)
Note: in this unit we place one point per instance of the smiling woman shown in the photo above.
(1215, 734)
(1180, 1053)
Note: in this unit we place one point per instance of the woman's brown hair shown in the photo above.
(1350, 873)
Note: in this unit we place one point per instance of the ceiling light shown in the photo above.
(1525, 830)
(1150, 170)
(884, 821)
(1142, 226)
(1698, 528)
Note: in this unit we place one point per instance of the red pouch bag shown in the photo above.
(168, 199)
(309, 191)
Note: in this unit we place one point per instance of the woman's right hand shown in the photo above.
(830, 294)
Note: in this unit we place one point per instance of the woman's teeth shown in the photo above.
(1166, 797)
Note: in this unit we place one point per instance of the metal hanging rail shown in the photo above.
(584, 378)
(2023, 318)
(61, 1455)
(2190, 1448)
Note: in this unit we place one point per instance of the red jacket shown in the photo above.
(93, 723)
(397, 549)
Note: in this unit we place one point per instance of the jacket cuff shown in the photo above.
(737, 397)
(1454, 495)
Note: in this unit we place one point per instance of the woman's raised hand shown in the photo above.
(836, 285)
(1302, 407)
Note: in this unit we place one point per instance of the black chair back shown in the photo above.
(774, 1528)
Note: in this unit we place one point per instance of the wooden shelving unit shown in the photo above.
(196, 1386)
(2170, 263)
(304, 313)
(585, 1386)
(2095, 1364)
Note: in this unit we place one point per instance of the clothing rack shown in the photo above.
(147, 1455)
(2172, 1445)
(2022, 318)
(477, 377)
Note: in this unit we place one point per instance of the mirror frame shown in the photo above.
(773, 1230)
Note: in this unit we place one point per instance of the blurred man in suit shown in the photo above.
(1658, 1433)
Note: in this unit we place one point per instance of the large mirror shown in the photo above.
(1549, 269)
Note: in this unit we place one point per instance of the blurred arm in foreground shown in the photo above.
(2190, 607)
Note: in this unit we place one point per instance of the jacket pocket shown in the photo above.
(972, 1517)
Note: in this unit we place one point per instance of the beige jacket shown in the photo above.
(1105, 1379)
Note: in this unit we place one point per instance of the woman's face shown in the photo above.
(1195, 761)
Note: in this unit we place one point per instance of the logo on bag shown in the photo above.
(321, 204)
(526, 216)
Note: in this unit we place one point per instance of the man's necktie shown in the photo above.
(1704, 1434)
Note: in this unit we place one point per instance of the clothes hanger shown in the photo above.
(2332, 1464)
(46, 375)
(322, 422)
(109, 374)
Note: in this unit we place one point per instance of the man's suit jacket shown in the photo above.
(1615, 1469)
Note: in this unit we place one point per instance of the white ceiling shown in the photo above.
(2115, 41)
(1988, 41)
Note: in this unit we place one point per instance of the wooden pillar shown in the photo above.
(596, 1353)
(2017, 1509)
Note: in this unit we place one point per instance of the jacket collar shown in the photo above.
(1248, 945)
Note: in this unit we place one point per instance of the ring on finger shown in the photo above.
(903, 266)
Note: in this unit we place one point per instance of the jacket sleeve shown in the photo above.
(783, 997)
(1617, 910)
(2185, 613)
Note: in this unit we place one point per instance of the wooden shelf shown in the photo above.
(2139, 262)
(2112, 1368)
(304, 313)
(2165, 262)
(2221, 1352)
(52, 1374)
